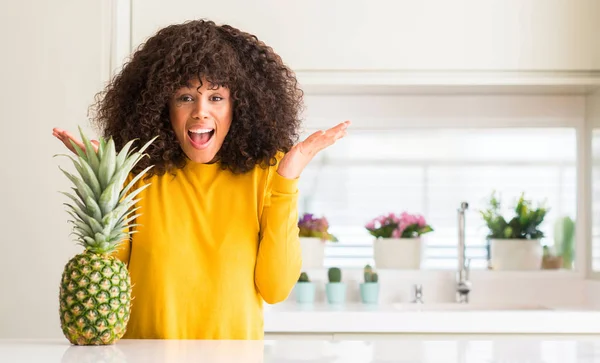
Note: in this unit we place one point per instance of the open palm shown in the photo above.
(65, 136)
(295, 160)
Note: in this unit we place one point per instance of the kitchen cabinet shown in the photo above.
(403, 35)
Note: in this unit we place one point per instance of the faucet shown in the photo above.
(463, 285)
(418, 294)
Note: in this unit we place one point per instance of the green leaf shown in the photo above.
(90, 178)
(81, 186)
(90, 152)
(133, 181)
(94, 209)
(78, 150)
(107, 164)
(124, 154)
(75, 200)
(101, 147)
(79, 213)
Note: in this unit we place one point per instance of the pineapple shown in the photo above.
(95, 289)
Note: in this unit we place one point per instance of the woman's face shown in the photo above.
(201, 118)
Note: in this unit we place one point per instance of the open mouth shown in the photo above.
(200, 138)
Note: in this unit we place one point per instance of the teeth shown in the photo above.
(201, 131)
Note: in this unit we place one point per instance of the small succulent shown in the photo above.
(334, 274)
(370, 276)
(303, 277)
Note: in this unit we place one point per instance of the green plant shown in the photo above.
(564, 240)
(370, 276)
(303, 277)
(523, 225)
(334, 274)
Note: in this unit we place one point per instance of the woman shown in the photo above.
(218, 232)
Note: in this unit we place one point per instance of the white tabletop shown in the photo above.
(408, 349)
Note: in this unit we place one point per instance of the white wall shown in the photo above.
(403, 34)
(54, 59)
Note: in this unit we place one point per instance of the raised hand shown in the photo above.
(65, 136)
(294, 162)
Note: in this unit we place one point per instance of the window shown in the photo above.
(431, 171)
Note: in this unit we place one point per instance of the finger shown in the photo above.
(339, 127)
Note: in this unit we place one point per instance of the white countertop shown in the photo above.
(407, 349)
(430, 318)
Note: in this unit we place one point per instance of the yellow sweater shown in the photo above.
(210, 247)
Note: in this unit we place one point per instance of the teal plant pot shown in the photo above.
(369, 292)
(305, 292)
(336, 292)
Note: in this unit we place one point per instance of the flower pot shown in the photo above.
(336, 292)
(305, 292)
(516, 254)
(398, 253)
(313, 252)
(369, 292)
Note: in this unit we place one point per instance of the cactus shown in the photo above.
(303, 277)
(335, 274)
(370, 276)
(564, 239)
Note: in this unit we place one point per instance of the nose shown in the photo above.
(201, 109)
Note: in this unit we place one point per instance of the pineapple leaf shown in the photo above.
(133, 181)
(101, 147)
(83, 232)
(94, 224)
(81, 198)
(100, 238)
(118, 238)
(90, 152)
(123, 154)
(90, 242)
(107, 164)
(116, 217)
(74, 199)
(81, 186)
(82, 227)
(85, 171)
(90, 178)
(78, 212)
(109, 198)
(93, 208)
(78, 150)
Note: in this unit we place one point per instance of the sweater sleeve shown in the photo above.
(279, 259)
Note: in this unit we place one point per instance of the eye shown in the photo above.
(216, 98)
(186, 98)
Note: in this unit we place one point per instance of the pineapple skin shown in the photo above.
(95, 299)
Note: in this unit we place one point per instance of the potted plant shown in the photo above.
(561, 254)
(305, 290)
(515, 244)
(314, 233)
(369, 289)
(398, 243)
(335, 288)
